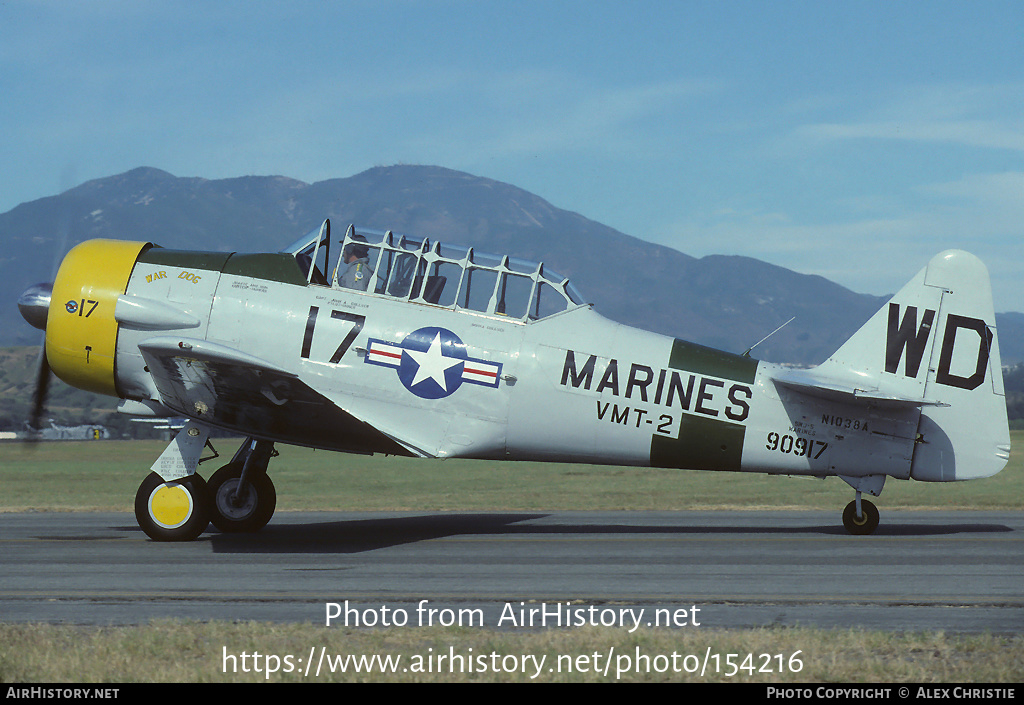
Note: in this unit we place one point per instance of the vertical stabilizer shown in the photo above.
(936, 341)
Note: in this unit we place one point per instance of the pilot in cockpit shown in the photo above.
(356, 256)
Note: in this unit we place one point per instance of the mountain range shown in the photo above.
(727, 302)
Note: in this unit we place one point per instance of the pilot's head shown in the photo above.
(354, 250)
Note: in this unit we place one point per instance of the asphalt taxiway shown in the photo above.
(957, 571)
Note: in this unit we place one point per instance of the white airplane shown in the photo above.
(379, 343)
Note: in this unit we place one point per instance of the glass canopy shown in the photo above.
(435, 273)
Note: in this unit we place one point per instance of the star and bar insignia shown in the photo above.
(432, 363)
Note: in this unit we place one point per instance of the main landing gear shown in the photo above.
(239, 497)
(178, 510)
(242, 497)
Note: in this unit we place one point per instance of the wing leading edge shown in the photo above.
(230, 389)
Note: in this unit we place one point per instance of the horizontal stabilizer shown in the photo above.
(807, 382)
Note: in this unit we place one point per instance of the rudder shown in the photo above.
(935, 342)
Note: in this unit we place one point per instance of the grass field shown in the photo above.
(84, 476)
(104, 475)
(193, 653)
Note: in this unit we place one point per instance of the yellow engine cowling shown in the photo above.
(81, 332)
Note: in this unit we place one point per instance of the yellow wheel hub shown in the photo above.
(170, 505)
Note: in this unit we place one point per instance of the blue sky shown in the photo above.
(848, 139)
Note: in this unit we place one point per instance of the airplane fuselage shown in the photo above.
(409, 347)
(571, 387)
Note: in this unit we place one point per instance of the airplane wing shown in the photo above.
(231, 389)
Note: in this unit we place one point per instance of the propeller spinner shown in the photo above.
(34, 304)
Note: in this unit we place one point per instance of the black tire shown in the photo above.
(863, 525)
(172, 511)
(254, 508)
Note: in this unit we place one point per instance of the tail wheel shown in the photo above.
(241, 509)
(172, 511)
(864, 524)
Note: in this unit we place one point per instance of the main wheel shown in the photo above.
(863, 525)
(172, 511)
(251, 509)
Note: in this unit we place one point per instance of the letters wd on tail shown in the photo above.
(934, 345)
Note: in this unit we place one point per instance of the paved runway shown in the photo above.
(955, 571)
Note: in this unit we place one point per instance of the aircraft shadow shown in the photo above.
(360, 535)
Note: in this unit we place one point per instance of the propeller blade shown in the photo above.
(39, 393)
(34, 304)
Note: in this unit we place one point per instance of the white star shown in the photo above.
(432, 364)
